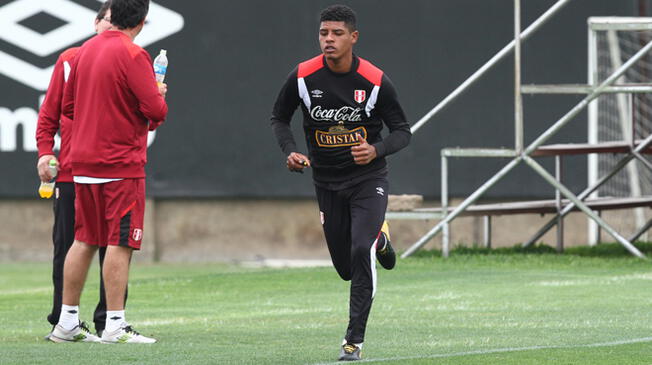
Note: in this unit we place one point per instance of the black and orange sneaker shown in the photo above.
(384, 251)
(350, 352)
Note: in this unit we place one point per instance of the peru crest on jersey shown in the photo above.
(359, 96)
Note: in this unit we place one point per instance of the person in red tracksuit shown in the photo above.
(113, 99)
(49, 122)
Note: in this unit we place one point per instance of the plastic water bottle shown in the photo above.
(161, 66)
(47, 187)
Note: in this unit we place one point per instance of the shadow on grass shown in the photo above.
(601, 250)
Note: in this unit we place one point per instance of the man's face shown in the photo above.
(335, 39)
(104, 23)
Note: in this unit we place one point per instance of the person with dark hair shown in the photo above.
(113, 98)
(49, 122)
(128, 14)
(345, 102)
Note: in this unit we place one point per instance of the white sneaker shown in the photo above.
(125, 334)
(78, 334)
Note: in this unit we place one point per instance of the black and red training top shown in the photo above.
(336, 107)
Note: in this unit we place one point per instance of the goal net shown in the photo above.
(623, 117)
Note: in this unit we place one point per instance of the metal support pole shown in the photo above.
(643, 160)
(599, 235)
(568, 194)
(468, 201)
(640, 212)
(489, 64)
(445, 243)
(487, 231)
(588, 191)
(626, 118)
(632, 121)
(518, 97)
(593, 127)
(560, 218)
(640, 232)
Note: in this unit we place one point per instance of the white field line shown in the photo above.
(594, 281)
(501, 350)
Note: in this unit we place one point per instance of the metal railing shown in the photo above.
(521, 154)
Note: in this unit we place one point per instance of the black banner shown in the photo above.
(228, 60)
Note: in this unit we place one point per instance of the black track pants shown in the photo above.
(352, 219)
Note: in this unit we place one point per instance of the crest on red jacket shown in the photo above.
(359, 95)
(138, 234)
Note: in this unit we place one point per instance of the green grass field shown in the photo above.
(469, 309)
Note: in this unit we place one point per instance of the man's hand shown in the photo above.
(162, 89)
(296, 162)
(364, 152)
(43, 167)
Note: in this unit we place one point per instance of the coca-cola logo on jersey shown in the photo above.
(343, 114)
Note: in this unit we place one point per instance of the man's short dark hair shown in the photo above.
(103, 9)
(339, 13)
(126, 14)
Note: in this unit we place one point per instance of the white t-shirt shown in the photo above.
(92, 180)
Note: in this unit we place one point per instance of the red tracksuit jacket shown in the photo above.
(50, 119)
(112, 96)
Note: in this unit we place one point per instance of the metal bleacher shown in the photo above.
(565, 201)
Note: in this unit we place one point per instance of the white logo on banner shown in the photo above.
(161, 23)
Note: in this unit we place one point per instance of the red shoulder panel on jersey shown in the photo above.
(311, 66)
(69, 54)
(370, 72)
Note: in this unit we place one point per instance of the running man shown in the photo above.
(345, 101)
(49, 122)
(113, 99)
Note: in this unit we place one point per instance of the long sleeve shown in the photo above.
(68, 103)
(285, 106)
(391, 112)
(50, 113)
(141, 81)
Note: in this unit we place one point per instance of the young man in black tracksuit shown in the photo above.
(345, 102)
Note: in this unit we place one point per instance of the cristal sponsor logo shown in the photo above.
(341, 138)
(317, 93)
(343, 114)
(76, 26)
